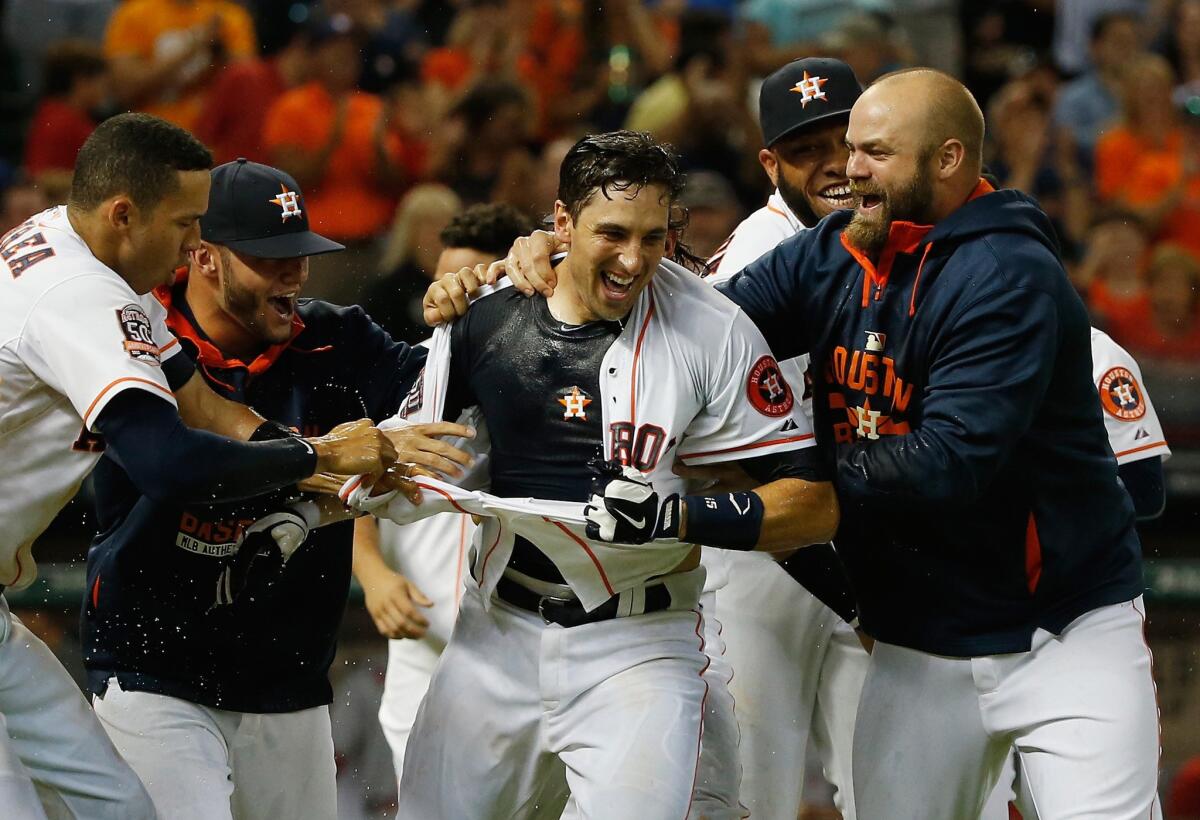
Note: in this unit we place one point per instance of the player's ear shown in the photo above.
(766, 158)
(563, 224)
(120, 212)
(205, 261)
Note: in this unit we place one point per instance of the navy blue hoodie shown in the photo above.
(953, 398)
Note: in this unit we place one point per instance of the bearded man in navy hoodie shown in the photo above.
(990, 544)
(988, 539)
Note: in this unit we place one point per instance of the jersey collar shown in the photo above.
(182, 323)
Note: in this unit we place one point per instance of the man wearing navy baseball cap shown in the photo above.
(209, 630)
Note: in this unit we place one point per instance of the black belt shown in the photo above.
(570, 612)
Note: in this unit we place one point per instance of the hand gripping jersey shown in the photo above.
(686, 378)
(73, 334)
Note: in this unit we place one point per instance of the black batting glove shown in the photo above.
(625, 509)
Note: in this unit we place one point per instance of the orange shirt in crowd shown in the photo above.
(1154, 176)
(1118, 153)
(56, 134)
(346, 204)
(156, 28)
(235, 110)
(1134, 328)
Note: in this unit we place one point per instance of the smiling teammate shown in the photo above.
(207, 649)
(637, 361)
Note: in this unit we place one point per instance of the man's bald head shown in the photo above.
(941, 108)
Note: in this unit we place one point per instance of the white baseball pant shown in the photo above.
(520, 713)
(200, 763)
(934, 732)
(55, 759)
(798, 669)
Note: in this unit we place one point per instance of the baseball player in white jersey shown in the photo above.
(584, 668)
(798, 666)
(1137, 440)
(85, 362)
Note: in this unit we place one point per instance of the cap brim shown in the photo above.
(285, 246)
(824, 119)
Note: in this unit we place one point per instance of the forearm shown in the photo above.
(202, 409)
(168, 461)
(794, 513)
(368, 558)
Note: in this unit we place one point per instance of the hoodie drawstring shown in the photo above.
(912, 302)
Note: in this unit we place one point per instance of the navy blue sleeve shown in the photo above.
(170, 462)
(819, 570)
(767, 290)
(1143, 481)
(179, 370)
(387, 367)
(988, 376)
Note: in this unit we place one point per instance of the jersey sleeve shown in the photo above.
(177, 365)
(1134, 431)
(749, 408)
(91, 355)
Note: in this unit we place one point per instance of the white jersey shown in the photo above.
(754, 236)
(73, 335)
(1132, 424)
(689, 378)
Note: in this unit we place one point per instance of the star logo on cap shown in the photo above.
(809, 89)
(288, 202)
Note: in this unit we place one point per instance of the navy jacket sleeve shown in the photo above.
(768, 289)
(388, 368)
(1143, 481)
(989, 373)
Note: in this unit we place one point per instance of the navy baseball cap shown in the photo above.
(259, 211)
(803, 93)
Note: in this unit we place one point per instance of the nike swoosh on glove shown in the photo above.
(624, 508)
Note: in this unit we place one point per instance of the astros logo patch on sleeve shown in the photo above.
(1121, 395)
(767, 390)
(139, 339)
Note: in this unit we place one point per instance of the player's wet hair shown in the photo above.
(490, 228)
(137, 155)
(617, 161)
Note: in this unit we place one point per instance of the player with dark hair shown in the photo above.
(588, 659)
(205, 617)
(88, 365)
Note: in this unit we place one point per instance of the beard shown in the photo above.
(795, 199)
(910, 202)
(247, 307)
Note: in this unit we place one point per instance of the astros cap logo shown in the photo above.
(288, 201)
(809, 89)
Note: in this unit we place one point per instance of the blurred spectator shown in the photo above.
(1111, 274)
(413, 244)
(479, 234)
(342, 147)
(1073, 27)
(1091, 103)
(20, 200)
(867, 46)
(544, 186)
(231, 123)
(1183, 51)
(1183, 799)
(1005, 40)
(713, 212)
(483, 154)
(31, 27)
(164, 52)
(932, 30)
(1166, 328)
(779, 31)
(487, 40)
(75, 85)
(700, 107)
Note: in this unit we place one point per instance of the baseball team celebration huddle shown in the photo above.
(652, 522)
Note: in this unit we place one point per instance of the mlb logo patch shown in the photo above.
(139, 339)
(875, 341)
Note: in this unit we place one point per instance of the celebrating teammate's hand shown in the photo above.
(450, 296)
(352, 448)
(393, 602)
(528, 264)
(422, 445)
(624, 508)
